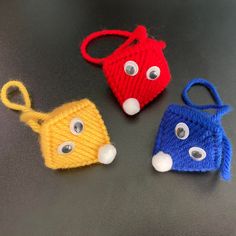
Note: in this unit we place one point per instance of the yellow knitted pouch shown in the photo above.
(72, 135)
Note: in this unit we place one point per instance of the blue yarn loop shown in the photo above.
(221, 108)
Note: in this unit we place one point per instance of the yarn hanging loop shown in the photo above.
(28, 116)
(139, 34)
(219, 106)
(25, 95)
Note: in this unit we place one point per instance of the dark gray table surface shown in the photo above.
(39, 45)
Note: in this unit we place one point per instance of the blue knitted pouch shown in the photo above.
(190, 139)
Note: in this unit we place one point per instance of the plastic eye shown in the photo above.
(181, 131)
(153, 73)
(66, 147)
(197, 153)
(76, 126)
(131, 68)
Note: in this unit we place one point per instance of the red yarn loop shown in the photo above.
(139, 34)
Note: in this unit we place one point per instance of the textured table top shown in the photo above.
(39, 45)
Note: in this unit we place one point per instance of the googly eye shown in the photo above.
(181, 131)
(197, 153)
(76, 126)
(65, 147)
(153, 73)
(131, 68)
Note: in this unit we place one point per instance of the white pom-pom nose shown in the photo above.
(106, 154)
(131, 106)
(162, 162)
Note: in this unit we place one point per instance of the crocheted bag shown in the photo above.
(190, 139)
(136, 71)
(72, 135)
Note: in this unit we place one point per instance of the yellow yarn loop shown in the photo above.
(29, 116)
(24, 92)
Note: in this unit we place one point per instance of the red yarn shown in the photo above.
(145, 52)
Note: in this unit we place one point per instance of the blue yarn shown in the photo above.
(205, 131)
(227, 158)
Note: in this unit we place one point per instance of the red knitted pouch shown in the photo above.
(136, 71)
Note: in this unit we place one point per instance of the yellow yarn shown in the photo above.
(54, 129)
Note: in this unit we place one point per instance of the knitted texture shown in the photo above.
(70, 135)
(201, 135)
(142, 57)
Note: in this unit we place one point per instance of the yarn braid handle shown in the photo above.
(221, 108)
(139, 33)
(29, 116)
(23, 91)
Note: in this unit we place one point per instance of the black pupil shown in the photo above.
(130, 70)
(153, 74)
(180, 132)
(196, 154)
(67, 148)
(78, 127)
